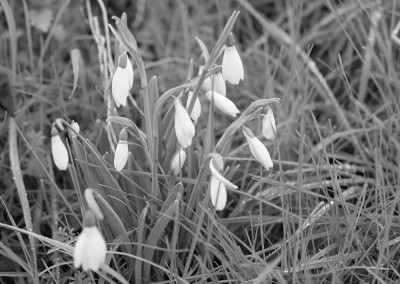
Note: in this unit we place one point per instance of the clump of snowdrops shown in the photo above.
(150, 204)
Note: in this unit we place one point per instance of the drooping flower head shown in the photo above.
(219, 83)
(258, 149)
(90, 248)
(218, 194)
(184, 128)
(196, 111)
(223, 104)
(122, 151)
(269, 126)
(58, 150)
(122, 80)
(218, 184)
(232, 67)
(177, 162)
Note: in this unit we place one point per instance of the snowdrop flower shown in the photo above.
(59, 151)
(74, 126)
(218, 194)
(184, 128)
(232, 67)
(269, 126)
(218, 186)
(219, 83)
(223, 104)
(121, 152)
(178, 161)
(258, 149)
(122, 80)
(196, 111)
(90, 249)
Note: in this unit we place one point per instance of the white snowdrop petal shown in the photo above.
(219, 84)
(122, 82)
(223, 104)
(220, 177)
(121, 155)
(269, 126)
(130, 74)
(90, 249)
(232, 67)
(59, 152)
(196, 111)
(178, 161)
(184, 128)
(218, 194)
(259, 151)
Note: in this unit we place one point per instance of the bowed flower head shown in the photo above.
(223, 104)
(232, 67)
(269, 126)
(218, 194)
(122, 80)
(122, 151)
(90, 249)
(218, 185)
(219, 83)
(178, 161)
(59, 151)
(258, 149)
(184, 128)
(196, 111)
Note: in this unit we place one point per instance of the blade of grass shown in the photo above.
(23, 196)
(155, 235)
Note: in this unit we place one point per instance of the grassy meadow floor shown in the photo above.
(327, 212)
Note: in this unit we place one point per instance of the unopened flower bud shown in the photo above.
(258, 149)
(122, 80)
(219, 83)
(59, 151)
(76, 129)
(196, 111)
(121, 152)
(177, 162)
(269, 126)
(184, 128)
(218, 194)
(223, 104)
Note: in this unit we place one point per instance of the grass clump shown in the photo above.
(186, 177)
